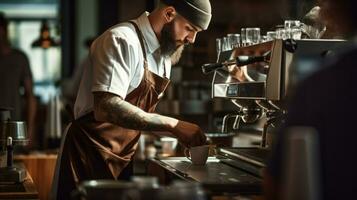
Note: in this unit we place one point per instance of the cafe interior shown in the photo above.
(276, 44)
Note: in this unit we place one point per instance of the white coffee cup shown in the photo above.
(198, 154)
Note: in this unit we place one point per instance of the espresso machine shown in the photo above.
(11, 133)
(277, 67)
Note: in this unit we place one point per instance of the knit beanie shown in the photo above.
(198, 12)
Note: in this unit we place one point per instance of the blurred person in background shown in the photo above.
(326, 102)
(128, 72)
(15, 77)
(313, 26)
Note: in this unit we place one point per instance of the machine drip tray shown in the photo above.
(215, 176)
(257, 155)
(250, 159)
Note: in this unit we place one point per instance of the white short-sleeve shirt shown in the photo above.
(116, 63)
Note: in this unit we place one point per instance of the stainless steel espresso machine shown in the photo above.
(276, 67)
(11, 133)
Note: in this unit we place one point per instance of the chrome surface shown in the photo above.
(140, 188)
(17, 130)
(290, 62)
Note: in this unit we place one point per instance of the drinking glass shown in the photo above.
(243, 36)
(225, 44)
(253, 35)
(281, 34)
(218, 46)
(271, 35)
(234, 40)
(291, 24)
(264, 38)
(293, 29)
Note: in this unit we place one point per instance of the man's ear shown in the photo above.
(170, 13)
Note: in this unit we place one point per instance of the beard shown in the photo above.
(168, 44)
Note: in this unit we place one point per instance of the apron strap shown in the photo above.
(141, 39)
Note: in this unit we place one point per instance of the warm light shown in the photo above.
(45, 41)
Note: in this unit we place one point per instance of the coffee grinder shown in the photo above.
(11, 133)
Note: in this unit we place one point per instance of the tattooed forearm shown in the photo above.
(112, 108)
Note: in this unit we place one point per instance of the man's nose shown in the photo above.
(191, 37)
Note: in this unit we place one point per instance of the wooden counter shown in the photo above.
(41, 168)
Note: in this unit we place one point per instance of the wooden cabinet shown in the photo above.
(41, 168)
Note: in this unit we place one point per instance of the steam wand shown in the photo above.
(238, 61)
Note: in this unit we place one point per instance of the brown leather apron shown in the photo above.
(98, 150)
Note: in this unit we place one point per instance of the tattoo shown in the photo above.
(114, 109)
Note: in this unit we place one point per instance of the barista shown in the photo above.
(128, 71)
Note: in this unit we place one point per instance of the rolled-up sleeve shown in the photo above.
(112, 64)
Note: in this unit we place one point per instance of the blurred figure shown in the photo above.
(326, 102)
(313, 25)
(15, 75)
(339, 17)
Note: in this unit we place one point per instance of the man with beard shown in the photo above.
(128, 72)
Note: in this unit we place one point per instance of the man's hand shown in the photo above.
(239, 73)
(189, 134)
